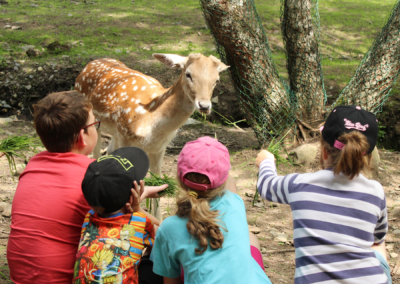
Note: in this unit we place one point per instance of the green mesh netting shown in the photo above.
(273, 107)
(373, 81)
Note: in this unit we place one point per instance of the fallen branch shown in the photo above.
(308, 126)
(302, 132)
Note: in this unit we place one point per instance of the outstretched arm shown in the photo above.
(151, 191)
(271, 186)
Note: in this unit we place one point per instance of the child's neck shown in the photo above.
(102, 215)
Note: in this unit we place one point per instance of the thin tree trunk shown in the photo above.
(242, 43)
(301, 34)
(374, 78)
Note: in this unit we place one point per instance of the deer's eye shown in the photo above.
(189, 77)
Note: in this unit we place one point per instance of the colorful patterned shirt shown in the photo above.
(335, 223)
(110, 248)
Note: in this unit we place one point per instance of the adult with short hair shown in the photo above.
(49, 207)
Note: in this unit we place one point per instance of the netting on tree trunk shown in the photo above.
(241, 42)
(272, 106)
(373, 81)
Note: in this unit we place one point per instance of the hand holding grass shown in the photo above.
(264, 154)
(152, 191)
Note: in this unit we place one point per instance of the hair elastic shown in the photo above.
(193, 194)
(338, 145)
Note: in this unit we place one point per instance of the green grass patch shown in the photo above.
(135, 29)
(15, 146)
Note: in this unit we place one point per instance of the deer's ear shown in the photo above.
(172, 61)
(220, 65)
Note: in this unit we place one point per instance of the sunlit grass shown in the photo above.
(125, 28)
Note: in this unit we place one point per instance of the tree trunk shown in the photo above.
(242, 43)
(301, 34)
(374, 78)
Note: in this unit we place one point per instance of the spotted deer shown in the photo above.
(138, 111)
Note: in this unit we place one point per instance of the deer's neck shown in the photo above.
(174, 107)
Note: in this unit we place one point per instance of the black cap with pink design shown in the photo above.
(345, 119)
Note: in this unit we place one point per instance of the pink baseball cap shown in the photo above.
(205, 156)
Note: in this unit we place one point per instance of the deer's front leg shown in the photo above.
(156, 161)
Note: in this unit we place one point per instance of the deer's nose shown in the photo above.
(204, 106)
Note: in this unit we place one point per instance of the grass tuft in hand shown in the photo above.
(155, 180)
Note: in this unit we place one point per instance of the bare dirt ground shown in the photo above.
(273, 221)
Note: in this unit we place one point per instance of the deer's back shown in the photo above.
(120, 96)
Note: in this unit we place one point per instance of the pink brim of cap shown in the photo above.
(197, 186)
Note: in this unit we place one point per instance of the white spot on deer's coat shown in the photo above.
(155, 95)
(83, 78)
(135, 88)
(133, 82)
(143, 88)
(127, 110)
(129, 120)
(114, 117)
(125, 72)
(140, 110)
(138, 101)
(153, 86)
(123, 94)
(132, 100)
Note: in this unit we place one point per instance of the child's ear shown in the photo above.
(325, 153)
(81, 138)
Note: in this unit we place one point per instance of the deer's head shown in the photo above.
(199, 76)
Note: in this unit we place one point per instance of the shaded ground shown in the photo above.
(270, 219)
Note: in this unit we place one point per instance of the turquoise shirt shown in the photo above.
(174, 247)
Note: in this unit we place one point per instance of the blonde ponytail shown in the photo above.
(203, 223)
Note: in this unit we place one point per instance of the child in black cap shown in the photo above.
(113, 239)
(339, 216)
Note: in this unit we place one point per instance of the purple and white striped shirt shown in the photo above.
(335, 223)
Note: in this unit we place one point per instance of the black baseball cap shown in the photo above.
(345, 119)
(108, 181)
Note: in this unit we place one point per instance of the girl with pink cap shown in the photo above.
(208, 237)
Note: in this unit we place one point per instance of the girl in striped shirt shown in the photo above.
(339, 216)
